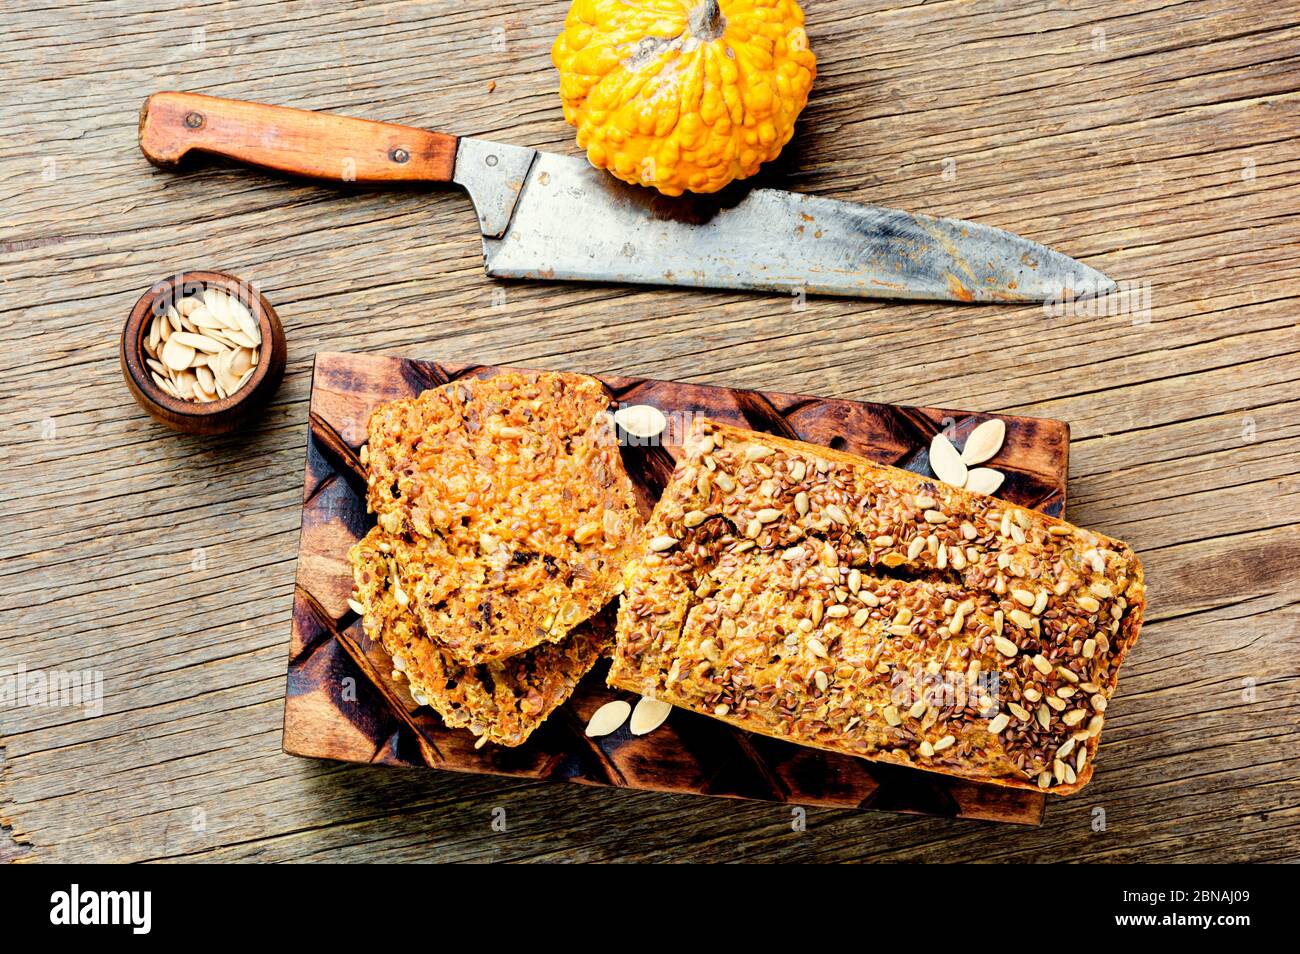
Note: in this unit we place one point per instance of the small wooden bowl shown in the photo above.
(224, 414)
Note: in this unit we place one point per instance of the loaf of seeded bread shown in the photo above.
(810, 595)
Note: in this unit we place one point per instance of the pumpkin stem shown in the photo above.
(706, 21)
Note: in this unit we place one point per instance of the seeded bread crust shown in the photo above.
(501, 702)
(507, 508)
(811, 595)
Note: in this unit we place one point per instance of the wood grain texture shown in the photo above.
(1155, 141)
(690, 753)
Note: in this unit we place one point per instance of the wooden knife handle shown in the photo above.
(297, 142)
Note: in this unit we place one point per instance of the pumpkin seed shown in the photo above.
(245, 320)
(641, 420)
(946, 462)
(229, 379)
(240, 339)
(176, 355)
(984, 442)
(197, 342)
(608, 718)
(218, 302)
(984, 480)
(648, 715)
(202, 318)
(185, 382)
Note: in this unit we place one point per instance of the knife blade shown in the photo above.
(553, 217)
(545, 216)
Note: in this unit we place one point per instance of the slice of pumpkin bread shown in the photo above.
(500, 701)
(506, 507)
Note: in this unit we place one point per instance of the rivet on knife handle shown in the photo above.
(296, 142)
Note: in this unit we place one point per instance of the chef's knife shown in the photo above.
(546, 216)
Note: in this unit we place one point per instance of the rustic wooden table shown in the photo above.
(1156, 142)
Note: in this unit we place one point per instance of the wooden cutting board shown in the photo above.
(342, 704)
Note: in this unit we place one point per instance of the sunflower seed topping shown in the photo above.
(1006, 647)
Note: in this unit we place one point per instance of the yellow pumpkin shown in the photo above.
(683, 94)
